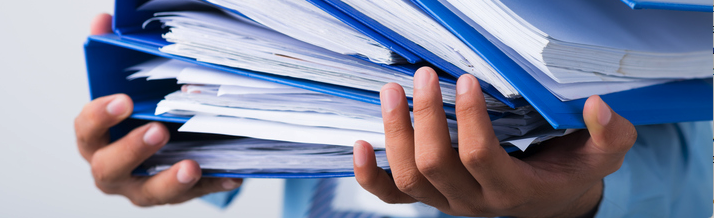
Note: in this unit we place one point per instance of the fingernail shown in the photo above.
(390, 99)
(153, 136)
(117, 106)
(421, 78)
(359, 155)
(229, 184)
(464, 84)
(183, 176)
(604, 113)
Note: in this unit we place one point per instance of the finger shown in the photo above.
(116, 161)
(399, 138)
(610, 133)
(92, 124)
(436, 159)
(374, 179)
(166, 186)
(101, 24)
(479, 148)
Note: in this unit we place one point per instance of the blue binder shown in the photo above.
(108, 55)
(689, 100)
(699, 5)
(380, 31)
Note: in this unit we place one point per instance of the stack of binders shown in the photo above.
(282, 88)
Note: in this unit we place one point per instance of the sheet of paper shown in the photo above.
(249, 155)
(249, 47)
(243, 90)
(279, 131)
(306, 22)
(204, 75)
(292, 117)
(523, 144)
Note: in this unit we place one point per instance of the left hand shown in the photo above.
(562, 179)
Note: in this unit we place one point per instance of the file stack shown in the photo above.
(297, 81)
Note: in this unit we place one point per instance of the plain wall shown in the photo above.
(43, 88)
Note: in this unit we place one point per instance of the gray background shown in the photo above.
(43, 88)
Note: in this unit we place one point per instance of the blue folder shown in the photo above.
(108, 55)
(699, 5)
(689, 100)
(378, 31)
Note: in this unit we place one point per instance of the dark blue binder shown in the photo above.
(689, 100)
(700, 5)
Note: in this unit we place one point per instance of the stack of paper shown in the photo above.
(305, 22)
(581, 48)
(248, 155)
(224, 103)
(407, 20)
(216, 38)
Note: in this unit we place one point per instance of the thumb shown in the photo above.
(609, 132)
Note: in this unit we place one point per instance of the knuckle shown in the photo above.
(425, 108)
(430, 165)
(408, 183)
(476, 157)
(631, 136)
(100, 173)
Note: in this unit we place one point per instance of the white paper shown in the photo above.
(523, 144)
(279, 131)
(595, 40)
(306, 22)
(291, 117)
(243, 90)
(205, 75)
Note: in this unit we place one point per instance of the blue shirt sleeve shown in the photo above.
(666, 174)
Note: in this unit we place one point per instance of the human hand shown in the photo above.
(562, 179)
(112, 163)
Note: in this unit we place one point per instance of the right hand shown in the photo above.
(112, 163)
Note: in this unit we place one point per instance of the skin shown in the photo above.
(113, 162)
(562, 178)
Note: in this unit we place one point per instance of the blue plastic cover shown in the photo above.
(683, 101)
(698, 5)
